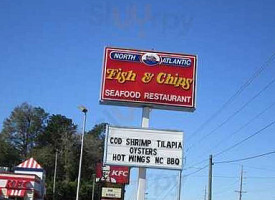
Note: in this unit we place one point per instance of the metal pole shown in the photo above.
(81, 152)
(179, 189)
(54, 176)
(142, 171)
(205, 193)
(210, 178)
(241, 185)
(93, 192)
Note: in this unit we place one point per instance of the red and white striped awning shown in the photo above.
(16, 193)
(30, 163)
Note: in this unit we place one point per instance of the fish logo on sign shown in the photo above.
(151, 59)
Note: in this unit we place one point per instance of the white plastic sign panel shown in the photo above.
(139, 147)
(111, 192)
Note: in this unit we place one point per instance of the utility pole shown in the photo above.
(210, 178)
(93, 191)
(241, 186)
(205, 193)
(54, 176)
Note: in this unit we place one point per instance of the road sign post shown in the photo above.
(151, 80)
(142, 171)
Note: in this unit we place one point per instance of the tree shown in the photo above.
(58, 129)
(59, 136)
(9, 156)
(92, 150)
(23, 126)
(30, 131)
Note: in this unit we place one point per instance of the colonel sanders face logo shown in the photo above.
(106, 172)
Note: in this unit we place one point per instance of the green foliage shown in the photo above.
(23, 126)
(98, 131)
(60, 136)
(45, 156)
(30, 131)
(67, 190)
(9, 156)
(93, 150)
(59, 129)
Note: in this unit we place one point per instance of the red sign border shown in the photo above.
(130, 103)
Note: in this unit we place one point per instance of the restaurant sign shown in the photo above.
(111, 192)
(112, 174)
(149, 78)
(139, 147)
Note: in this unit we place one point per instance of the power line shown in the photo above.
(164, 177)
(245, 125)
(247, 158)
(260, 177)
(236, 177)
(261, 168)
(235, 113)
(195, 171)
(247, 138)
(226, 189)
(158, 178)
(235, 145)
(195, 164)
(168, 192)
(236, 94)
(218, 176)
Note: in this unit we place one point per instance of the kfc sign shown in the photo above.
(18, 184)
(112, 174)
(149, 78)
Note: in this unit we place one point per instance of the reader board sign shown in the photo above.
(149, 78)
(112, 174)
(111, 192)
(139, 147)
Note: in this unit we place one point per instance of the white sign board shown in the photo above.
(111, 192)
(139, 147)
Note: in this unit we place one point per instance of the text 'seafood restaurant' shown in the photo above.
(149, 78)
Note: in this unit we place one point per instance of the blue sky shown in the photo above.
(51, 56)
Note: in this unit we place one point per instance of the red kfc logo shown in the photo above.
(112, 174)
(18, 184)
(120, 173)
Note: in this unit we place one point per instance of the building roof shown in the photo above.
(30, 163)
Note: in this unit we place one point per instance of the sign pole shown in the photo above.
(142, 171)
(179, 189)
